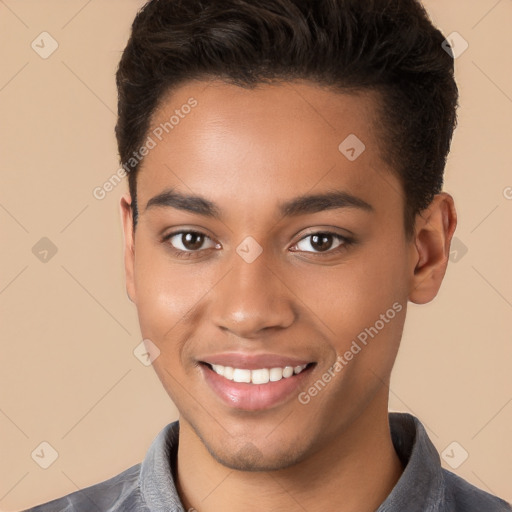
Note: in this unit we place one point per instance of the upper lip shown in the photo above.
(253, 361)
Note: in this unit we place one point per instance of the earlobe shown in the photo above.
(129, 245)
(433, 234)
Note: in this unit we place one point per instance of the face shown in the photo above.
(265, 254)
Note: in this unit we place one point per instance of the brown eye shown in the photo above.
(323, 242)
(192, 241)
(188, 241)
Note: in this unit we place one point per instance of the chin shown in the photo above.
(249, 457)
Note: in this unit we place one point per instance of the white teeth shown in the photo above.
(287, 371)
(218, 369)
(276, 374)
(241, 375)
(260, 376)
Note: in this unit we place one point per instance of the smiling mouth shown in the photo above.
(258, 376)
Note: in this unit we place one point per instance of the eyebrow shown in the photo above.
(302, 205)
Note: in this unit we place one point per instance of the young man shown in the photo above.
(285, 164)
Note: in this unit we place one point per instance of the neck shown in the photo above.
(353, 473)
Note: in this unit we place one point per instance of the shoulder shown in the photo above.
(120, 492)
(461, 496)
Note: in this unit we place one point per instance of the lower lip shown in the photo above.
(253, 397)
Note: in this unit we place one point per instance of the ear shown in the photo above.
(129, 246)
(434, 230)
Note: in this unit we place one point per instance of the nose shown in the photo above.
(251, 298)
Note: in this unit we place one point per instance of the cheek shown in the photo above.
(352, 296)
(166, 293)
(379, 301)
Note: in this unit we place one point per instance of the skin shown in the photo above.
(248, 151)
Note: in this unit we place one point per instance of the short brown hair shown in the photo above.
(389, 46)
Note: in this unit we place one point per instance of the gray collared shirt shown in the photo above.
(149, 486)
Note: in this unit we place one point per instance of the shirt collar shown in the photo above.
(419, 489)
(156, 478)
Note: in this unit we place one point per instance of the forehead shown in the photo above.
(273, 141)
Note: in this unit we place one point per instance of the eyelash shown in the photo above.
(345, 243)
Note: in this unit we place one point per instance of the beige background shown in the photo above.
(68, 375)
